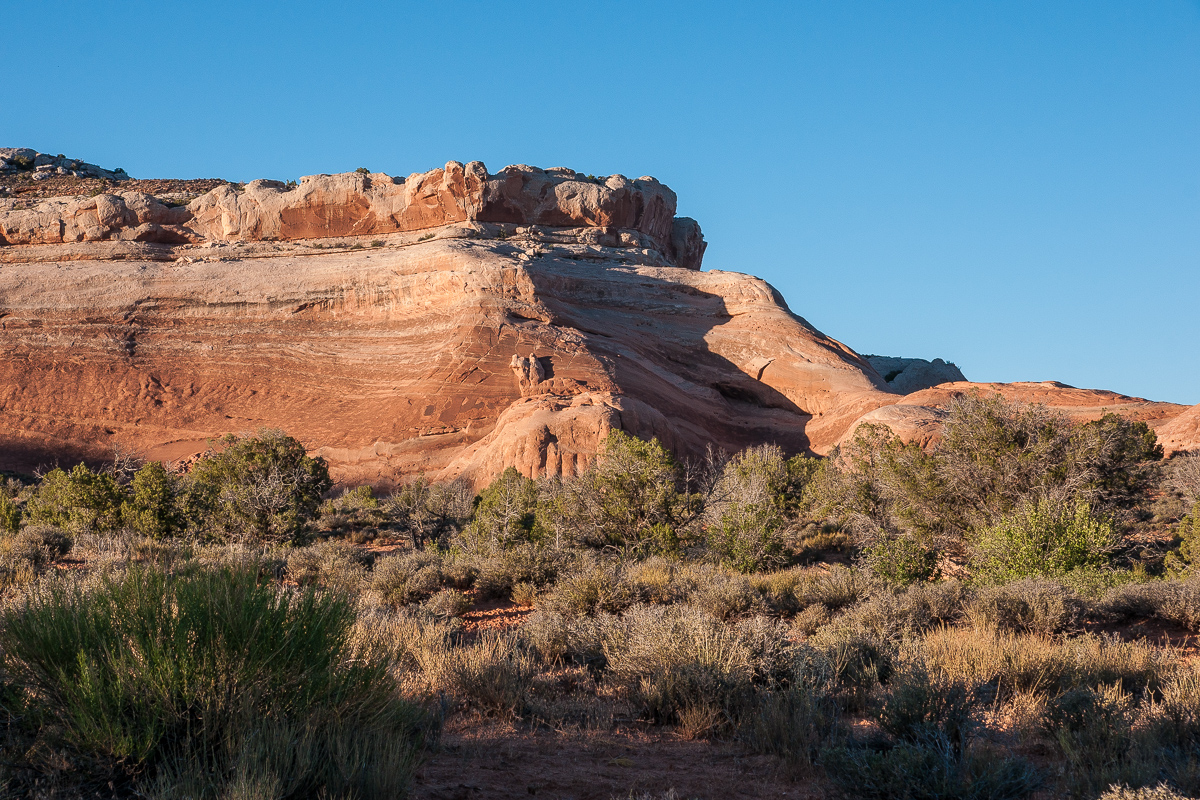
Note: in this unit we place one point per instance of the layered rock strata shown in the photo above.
(451, 324)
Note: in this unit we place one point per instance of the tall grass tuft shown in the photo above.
(196, 682)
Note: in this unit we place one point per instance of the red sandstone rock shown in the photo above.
(452, 323)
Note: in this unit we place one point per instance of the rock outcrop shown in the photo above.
(907, 375)
(451, 324)
(1181, 434)
(918, 417)
(42, 166)
(616, 211)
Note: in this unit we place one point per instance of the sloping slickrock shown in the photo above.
(1181, 433)
(485, 346)
(451, 324)
(917, 417)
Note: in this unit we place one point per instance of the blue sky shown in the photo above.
(1011, 186)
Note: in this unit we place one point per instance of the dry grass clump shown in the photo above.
(1175, 601)
(407, 578)
(1032, 605)
(330, 564)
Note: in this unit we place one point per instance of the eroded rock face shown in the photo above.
(456, 355)
(637, 213)
(450, 324)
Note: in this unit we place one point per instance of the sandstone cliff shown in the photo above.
(451, 323)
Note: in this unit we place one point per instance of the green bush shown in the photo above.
(264, 485)
(407, 578)
(1044, 538)
(79, 501)
(153, 508)
(504, 515)
(627, 498)
(209, 677)
(10, 513)
(901, 561)
(1185, 556)
(747, 512)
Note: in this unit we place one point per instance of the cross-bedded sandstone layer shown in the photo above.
(452, 323)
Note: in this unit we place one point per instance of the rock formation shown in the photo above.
(42, 166)
(451, 323)
(907, 375)
(1181, 434)
(917, 417)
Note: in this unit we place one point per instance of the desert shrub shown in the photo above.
(1032, 605)
(10, 513)
(79, 501)
(153, 507)
(1093, 727)
(727, 596)
(497, 574)
(504, 515)
(1183, 477)
(928, 769)
(407, 578)
(627, 498)
(596, 586)
(329, 564)
(264, 485)
(1044, 538)
(448, 603)
(928, 605)
(676, 663)
(211, 675)
(1015, 663)
(917, 707)
(747, 510)
(356, 513)
(901, 560)
(429, 512)
(28, 553)
(658, 580)
(811, 619)
(792, 723)
(558, 638)
(994, 459)
(836, 589)
(493, 673)
(1175, 601)
(859, 660)
(1186, 555)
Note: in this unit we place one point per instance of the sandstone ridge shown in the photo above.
(632, 212)
(450, 324)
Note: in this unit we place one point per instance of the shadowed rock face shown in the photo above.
(452, 323)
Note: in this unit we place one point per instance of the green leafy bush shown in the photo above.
(153, 507)
(747, 512)
(504, 515)
(264, 485)
(1044, 538)
(79, 501)
(628, 498)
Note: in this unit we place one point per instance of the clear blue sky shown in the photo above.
(1013, 186)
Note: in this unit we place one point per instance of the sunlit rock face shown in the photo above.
(451, 324)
